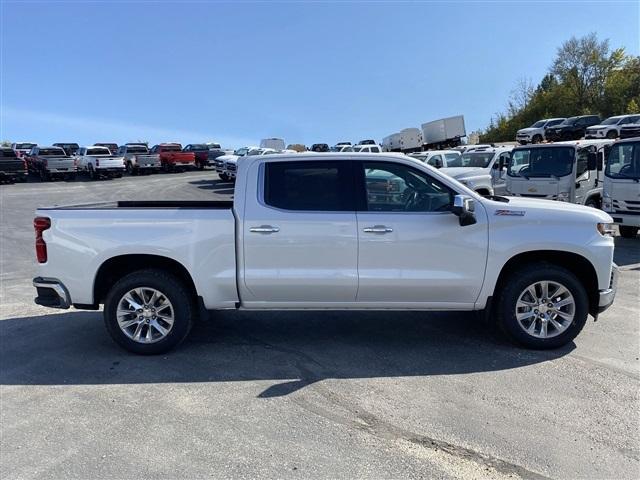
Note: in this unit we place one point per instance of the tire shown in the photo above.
(628, 232)
(536, 139)
(92, 173)
(593, 202)
(224, 177)
(44, 175)
(181, 306)
(514, 288)
(611, 134)
(131, 170)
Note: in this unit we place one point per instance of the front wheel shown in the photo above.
(542, 306)
(224, 177)
(149, 312)
(537, 139)
(628, 232)
(612, 134)
(593, 203)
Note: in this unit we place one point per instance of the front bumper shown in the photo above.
(607, 296)
(51, 293)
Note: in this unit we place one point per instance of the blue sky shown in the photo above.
(309, 72)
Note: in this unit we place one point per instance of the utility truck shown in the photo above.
(330, 231)
(564, 171)
(443, 133)
(621, 196)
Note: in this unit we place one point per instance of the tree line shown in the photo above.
(586, 77)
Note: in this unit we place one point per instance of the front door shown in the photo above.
(300, 237)
(412, 250)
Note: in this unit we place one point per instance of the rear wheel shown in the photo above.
(149, 312)
(92, 173)
(542, 306)
(537, 139)
(628, 232)
(44, 175)
(224, 177)
(131, 170)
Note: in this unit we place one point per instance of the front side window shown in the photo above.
(452, 157)
(554, 122)
(475, 159)
(624, 161)
(394, 187)
(435, 161)
(582, 162)
(309, 186)
(541, 162)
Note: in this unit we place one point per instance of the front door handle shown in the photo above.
(264, 229)
(378, 229)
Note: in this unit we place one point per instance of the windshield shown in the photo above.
(611, 121)
(624, 161)
(98, 151)
(240, 152)
(214, 146)
(541, 162)
(198, 147)
(472, 159)
(569, 121)
(539, 124)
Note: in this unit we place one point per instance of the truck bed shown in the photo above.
(147, 204)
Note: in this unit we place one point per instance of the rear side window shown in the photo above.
(310, 186)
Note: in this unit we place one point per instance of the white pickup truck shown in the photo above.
(329, 231)
(481, 169)
(98, 162)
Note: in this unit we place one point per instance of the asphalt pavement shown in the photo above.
(303, 395)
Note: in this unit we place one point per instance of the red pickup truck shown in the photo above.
(172, 158)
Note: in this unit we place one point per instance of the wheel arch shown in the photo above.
(581, 267)
(117, 267)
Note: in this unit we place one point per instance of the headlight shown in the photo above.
(604, 229)
(563, 196)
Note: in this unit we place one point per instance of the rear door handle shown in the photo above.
(378, 229)
(264, 229)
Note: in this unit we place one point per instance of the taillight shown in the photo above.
(45, 163)
(41, 224)
(24, 164)
(97, 162)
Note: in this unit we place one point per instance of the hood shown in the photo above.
(597, 127)
(227, 157)
(528, 130)
(461, 172)
(547, 210)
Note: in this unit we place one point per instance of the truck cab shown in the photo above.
(563, 171)
(368, 148)
(438, 158)
(481, 169)
(621, 195)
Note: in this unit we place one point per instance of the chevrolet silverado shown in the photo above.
(329, 231)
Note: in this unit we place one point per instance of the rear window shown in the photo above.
(7, 153)
(49, 152)
(139, 149)
(309, 186)
(170, 148)
(98, 151)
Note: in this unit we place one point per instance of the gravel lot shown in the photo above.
(303, 395)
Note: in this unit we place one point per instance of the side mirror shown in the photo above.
(463, 208)
(437, 163)
(592, 161)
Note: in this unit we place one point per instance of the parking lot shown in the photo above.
(303, 395)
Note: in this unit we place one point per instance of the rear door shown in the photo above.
(412, 250)
(299, 236)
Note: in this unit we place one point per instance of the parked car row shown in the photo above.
(67, 160)
(576, 128)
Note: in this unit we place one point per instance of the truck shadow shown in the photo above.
(218, 186)
(627, 251)
(293, 348)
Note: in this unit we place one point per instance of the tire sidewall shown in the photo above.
(172, 288)
(515, 286)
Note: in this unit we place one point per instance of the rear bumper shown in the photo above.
(607, 296)
(51, 293)
(18, 174)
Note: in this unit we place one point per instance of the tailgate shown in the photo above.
(60, 163)
(148, 160)
(184, 157)
(110, 162)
